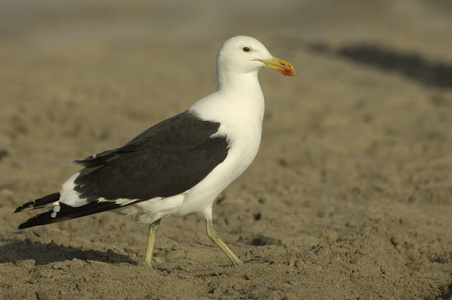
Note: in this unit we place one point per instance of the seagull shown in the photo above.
(180, 165)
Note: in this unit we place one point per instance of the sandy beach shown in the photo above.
(350, 196)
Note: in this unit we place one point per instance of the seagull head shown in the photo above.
(243, 54)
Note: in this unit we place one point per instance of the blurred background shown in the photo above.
(416, 26)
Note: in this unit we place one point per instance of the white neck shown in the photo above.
(238, 98)
(240, 82)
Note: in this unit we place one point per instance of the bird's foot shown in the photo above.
(237, 262)
(147, 264)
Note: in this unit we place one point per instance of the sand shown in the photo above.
(349, 197)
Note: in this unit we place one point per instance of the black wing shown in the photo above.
(165, 160)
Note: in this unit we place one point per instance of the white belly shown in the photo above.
(200, 198)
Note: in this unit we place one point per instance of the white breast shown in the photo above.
(241, 122)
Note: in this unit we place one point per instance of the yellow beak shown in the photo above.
(280, 65)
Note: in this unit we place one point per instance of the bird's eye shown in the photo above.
(246, 49)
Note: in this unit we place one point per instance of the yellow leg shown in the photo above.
(214, 237)
(152, 231)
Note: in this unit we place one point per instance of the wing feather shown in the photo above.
(165, 160)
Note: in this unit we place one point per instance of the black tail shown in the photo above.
(66, 212)
(39, 203)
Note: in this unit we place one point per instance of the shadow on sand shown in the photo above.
(17, 250)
